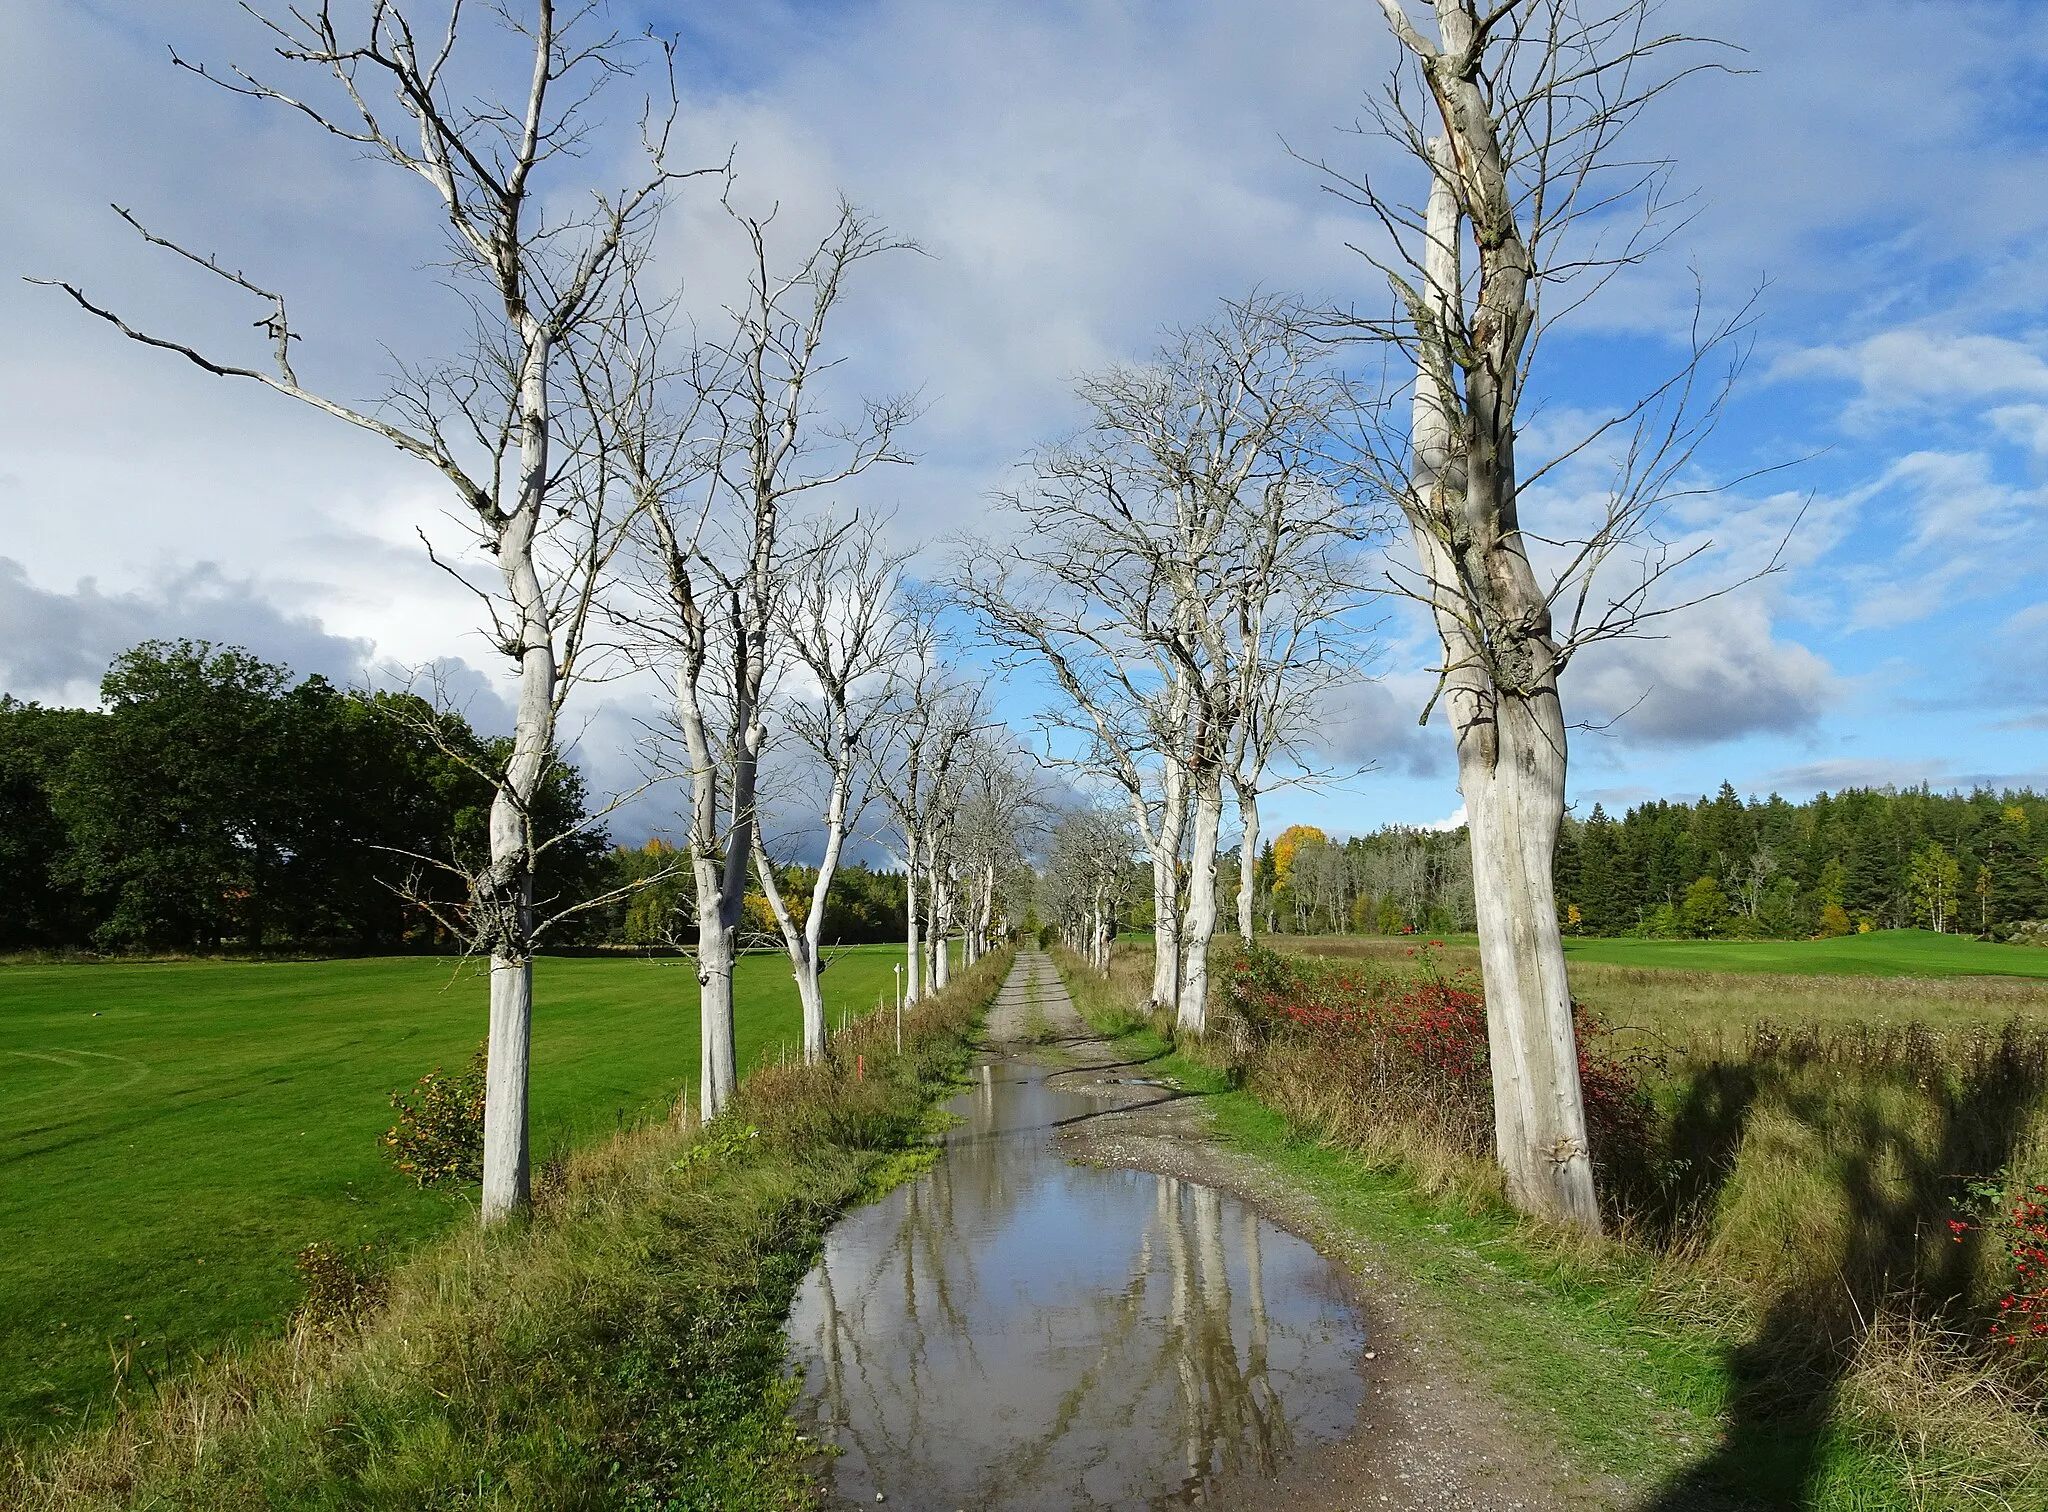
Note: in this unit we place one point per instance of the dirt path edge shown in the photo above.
(1429, 1436)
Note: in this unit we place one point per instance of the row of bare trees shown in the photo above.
(1180, 570)
(1187, 570)
(654, 492)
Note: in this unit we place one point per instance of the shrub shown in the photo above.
(1414, 1047)
(439, 1136)
(341, 1285)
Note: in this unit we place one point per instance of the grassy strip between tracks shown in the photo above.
(1641, 1367)
(622, 1347)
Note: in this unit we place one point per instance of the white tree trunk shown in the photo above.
(1514, 804)
(1511, 769)
(508, 885)
(1201, 916)
(942, 891)
(506, 1178)
(1165, 848)
(718, 1064)
(1247, 861)
(806, 966)
(913, 950)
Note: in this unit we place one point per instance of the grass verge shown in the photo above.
(622, 1347)
(1648, 1367)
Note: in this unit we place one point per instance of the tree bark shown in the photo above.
(1247, 860)
(1165, 847)
(1500, 691)
(509, 880)
(913, 949)
(1193, 1012)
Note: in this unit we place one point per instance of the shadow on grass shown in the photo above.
(1904, 1121)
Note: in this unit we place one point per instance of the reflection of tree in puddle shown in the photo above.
(1015, 1330)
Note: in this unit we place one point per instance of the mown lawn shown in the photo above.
(1882, 953)
(172, 1134)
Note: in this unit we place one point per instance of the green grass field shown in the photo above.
(172, 1134)
(1683, 989)
(1883, 953)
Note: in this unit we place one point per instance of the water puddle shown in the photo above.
(1011, 1331)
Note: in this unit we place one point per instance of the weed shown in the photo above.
(341, 1284)
(439, 1136)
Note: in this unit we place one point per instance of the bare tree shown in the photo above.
(1000, 802)
(932, 727)
(1174, 560)
(714, 478)
(843, 638)
(492, 423)
(1087, 879)
(1516, 124)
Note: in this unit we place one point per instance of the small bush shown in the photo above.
(439, 1136)
(341, 1285)
(1414, 1049)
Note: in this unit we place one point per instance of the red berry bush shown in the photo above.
(1413, 1047)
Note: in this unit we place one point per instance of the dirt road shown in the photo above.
(1428, 1437)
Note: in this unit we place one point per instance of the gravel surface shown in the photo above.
(1428, 1436)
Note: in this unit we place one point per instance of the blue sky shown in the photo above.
(1081, 175)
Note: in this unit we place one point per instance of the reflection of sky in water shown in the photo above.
(1012, 1331)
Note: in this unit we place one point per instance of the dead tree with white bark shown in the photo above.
(1168, 563)
(934, 717)
(1001, 803)
(493, 423)
(1513, 111)
(1087, 881)
(842, 636)
(718, 449)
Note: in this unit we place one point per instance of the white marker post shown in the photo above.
(899, 1007)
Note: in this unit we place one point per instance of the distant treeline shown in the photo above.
(214, 802)
(1721, 867)
(1859, 859)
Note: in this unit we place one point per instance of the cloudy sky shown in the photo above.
(1079, 177)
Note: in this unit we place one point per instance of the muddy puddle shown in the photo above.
(1012, 1331)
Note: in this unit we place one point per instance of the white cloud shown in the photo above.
(1961, 532)
(54, 646)
(1913, 369)
(1375, 724)
(1717, 673)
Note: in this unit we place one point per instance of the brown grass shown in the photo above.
(1676, 1004)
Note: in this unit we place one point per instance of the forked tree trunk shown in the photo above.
(1511, 743)
(1165, 848)
(803, 944)
(1201, 916)
(1247, 860)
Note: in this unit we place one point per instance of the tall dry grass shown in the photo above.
(1678, 1004)
(620, 1346)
